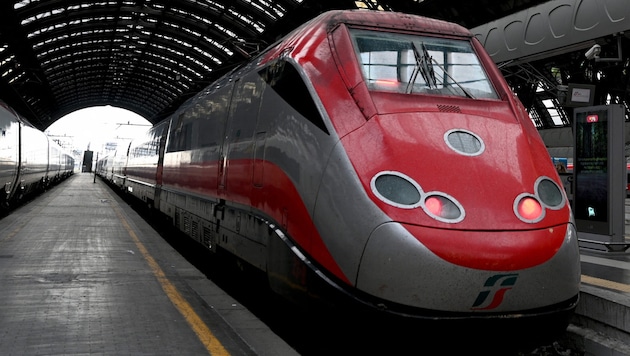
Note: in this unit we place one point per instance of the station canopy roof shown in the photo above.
(149, 56)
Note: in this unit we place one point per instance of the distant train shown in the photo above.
(378, 154)
(29, 160)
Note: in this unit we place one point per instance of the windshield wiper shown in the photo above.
(424, 66)
(468, 94)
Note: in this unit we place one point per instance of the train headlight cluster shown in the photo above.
(400, 190)
(530, 208)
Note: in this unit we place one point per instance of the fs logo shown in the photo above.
(493, 291)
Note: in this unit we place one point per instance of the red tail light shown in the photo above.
(434, 205)
(529, 208)
(443, 208)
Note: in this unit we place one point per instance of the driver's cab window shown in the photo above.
(421, 65)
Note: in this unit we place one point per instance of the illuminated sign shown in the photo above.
(592, 118)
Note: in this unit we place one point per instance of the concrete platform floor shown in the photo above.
(81, 273)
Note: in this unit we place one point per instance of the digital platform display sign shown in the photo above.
(592, 172)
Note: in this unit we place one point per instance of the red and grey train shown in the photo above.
(379, 153)
(29, 160)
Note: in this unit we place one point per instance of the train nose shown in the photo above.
(398, 267)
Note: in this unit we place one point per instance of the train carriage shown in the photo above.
(29, 160)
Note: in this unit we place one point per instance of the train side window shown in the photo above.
(285, 80)
(213, 115)
(245, 105)
(175, 143)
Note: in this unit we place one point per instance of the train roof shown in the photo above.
(385, 20)
(391, 20)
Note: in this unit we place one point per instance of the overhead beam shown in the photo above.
(553, 28)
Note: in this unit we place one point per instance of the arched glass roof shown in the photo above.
(141, 55)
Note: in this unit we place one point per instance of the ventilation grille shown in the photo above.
(187, 224)
(194, 229)
(449, 108)
(207, 237)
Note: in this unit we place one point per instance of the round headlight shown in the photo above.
(397, 189)
(549, 193)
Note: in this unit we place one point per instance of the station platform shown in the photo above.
(601, 325)
(81, 273)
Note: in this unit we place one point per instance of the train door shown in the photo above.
(240, 137)
(224, 146)
(161, 137)
(236, 149)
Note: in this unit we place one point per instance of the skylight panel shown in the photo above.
(218, 45)
(179, 28)
(162, 58)
(199, 63)
(196, 17)
(7, 72)
(272, 11)
(553, 112)
(21, 4)
(17, 77)
(168, 49)
(227, 32)
(201, 19)
(216, 7)
(240, 16)
(50, 40)
(46, 29)
(192, 32)
(6, 62)
(42, 15)
(208, 55)
(182, 43)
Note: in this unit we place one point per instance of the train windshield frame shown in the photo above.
(414, 64)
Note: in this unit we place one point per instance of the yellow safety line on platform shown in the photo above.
(211, 343)
(606, 284)
(11, 234)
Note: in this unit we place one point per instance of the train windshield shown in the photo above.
(421, 65)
